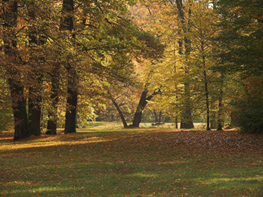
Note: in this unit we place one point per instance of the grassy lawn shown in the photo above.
(133, 162)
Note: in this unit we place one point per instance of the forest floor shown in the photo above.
(133, 162)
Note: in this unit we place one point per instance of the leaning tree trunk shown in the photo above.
(138, 114)
(142, 103)
(9, 19)
(125, 125)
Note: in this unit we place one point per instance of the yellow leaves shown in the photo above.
(201, 183)
(152, 194)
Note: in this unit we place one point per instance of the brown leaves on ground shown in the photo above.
(228, 141)
(171, 161)
(222, 141)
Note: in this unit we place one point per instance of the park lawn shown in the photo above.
(133, 162)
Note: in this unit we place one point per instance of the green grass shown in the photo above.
(137, 162)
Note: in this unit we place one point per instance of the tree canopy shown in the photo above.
(62, 61)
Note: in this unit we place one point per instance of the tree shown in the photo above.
(203, 17)
(171, 22)
(94, 40)
(241, 24)
(36, 63)
(142, 103)
(54, 97)
(186, 119)
(13, 64)
(241, 39)
(67, 24)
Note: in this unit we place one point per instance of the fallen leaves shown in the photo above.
(169, 160)
(229, 142)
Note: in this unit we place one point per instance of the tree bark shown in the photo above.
(35, 89)
(52, 113)
(19, 109)
(34, 111)
(138, 114)
(142, 103)
(9, 17)
(72, 99)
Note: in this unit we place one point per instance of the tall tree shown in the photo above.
(186, 119)
(54, 97)
(241, 35)
(9, 16)
(241, 41)
(67, 24)
(36, 71)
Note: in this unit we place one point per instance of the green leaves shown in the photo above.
(241, 34)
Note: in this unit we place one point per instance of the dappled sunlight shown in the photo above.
(143, 175)
(53, 141)
(35, 190)
(244, 180)
(178, 162)
(132, 162)
(15, 183)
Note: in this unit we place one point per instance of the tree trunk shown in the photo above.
(176, 121)
(155, 116)
(72, 100)
(142, 103)
(34, 111)
(67, 15)
(138, 114)
(220, 105)
(9, 19)
(186, 119)
(125, 125)
(35, 89)
(207, 103)
(19, 110)
(160, 117)
(52, 113)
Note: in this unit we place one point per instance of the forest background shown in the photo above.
(66, 62)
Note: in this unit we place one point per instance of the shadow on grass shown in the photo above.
(131, 163)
